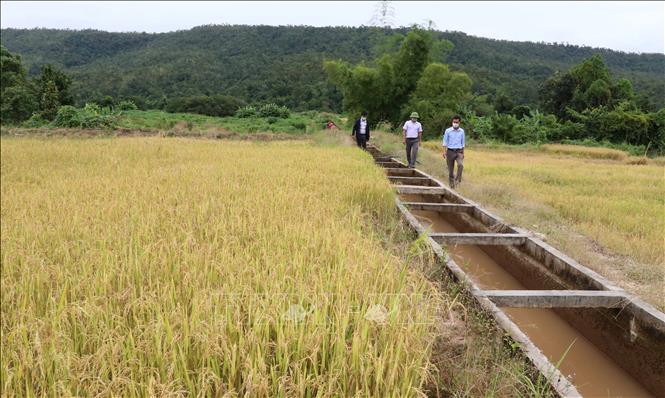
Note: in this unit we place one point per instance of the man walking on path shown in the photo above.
(361, 131)
(453, 150)
(413, 136)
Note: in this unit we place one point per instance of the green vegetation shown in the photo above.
(296, 123)
(18, 99)
(92, 116)
(268, 80)
(403, 81)
(211, 105)
(388, 73)
(284, 64)
(583, 103)
(23, 98)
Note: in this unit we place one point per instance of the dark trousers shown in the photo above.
(452, 156)
(361, 140)
(412, 151)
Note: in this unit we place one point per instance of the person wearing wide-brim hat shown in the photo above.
(413, 136)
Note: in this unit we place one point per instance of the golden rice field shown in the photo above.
(621, 206)
(585, 152)
(169, 267)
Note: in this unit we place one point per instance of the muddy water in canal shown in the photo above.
(591, 371)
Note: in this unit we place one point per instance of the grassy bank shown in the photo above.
(154, 122)
(297, 123)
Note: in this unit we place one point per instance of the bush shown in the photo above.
(91, 116)
(534, 127)
(36, 120)
(127, 105)
(657, 131)
(246, 111)
(521, 111)
(558, 132)
(216, 105)
(274, 110)
(477, 127)
(67, 116)
(18, 104)
(299, 126)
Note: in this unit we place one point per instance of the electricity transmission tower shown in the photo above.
(384, 15)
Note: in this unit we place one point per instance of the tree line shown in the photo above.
(23, 97)
(583, 103)
(389, 73)
(284, 64)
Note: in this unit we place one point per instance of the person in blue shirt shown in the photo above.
(453, 151)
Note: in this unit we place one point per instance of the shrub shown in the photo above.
(36, 120)
(521, 111)
(215, 105)
(299, 125)
(478, 127)
(275, 110)
(565, 131)
(657, 131)
(127, 105)
(18, 103)
(67, 116)
(246, 111)
(91, 116)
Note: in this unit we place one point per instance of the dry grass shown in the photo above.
(153, 267)
(585, 152)
(637, 160)
(659, 161)
(619, 206)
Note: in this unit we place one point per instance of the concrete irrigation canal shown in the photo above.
(612, 343)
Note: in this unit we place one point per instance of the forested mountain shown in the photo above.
(284, 64)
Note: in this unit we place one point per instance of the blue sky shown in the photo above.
(625, 26)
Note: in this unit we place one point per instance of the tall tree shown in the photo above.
(586, 86)
(17, 97)
(439, 95)
(62, 82)
(50, 101)
(384, 88)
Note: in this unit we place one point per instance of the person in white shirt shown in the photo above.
(413, 136)
(361, 131)
(453, 151)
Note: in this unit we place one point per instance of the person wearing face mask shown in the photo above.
(453, 151)
(361, 131)
(413, 136)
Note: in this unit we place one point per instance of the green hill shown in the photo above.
(283, 64)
